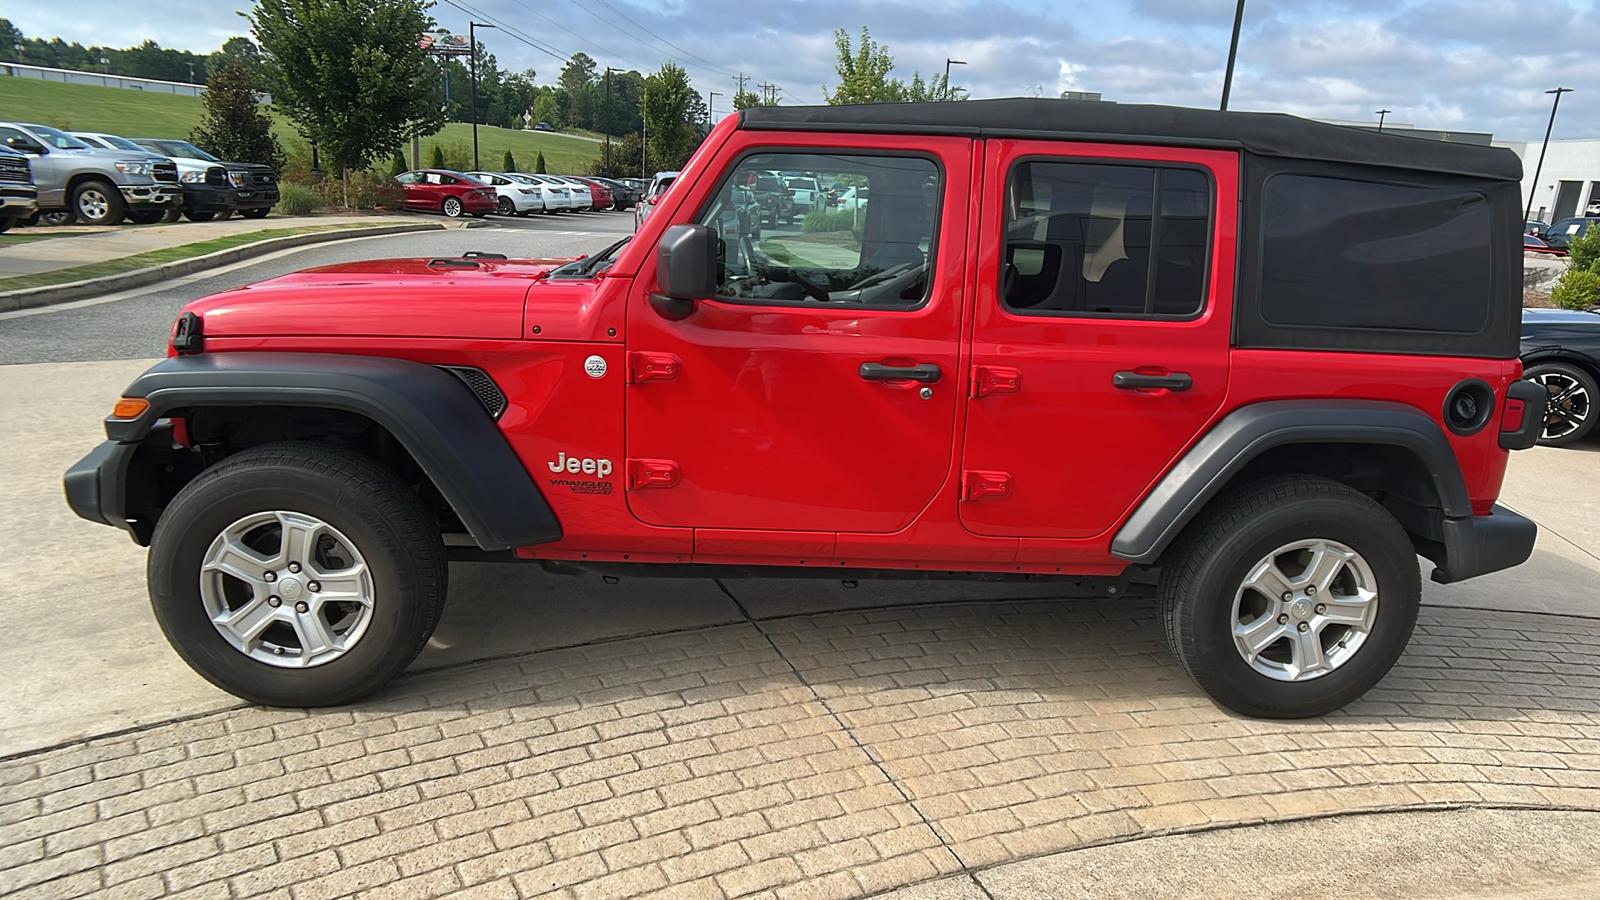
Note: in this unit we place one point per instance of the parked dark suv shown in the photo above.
(1248, 365)
(213, 187)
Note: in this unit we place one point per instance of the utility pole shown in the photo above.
(644, 131)
(609, 70)
(1382, 114)
(1536, 169)
(1233, 53)
(711, 112)
(945, 94)
(741, 78)
(472, 41)
(769, 93)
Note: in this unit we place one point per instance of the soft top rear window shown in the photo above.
(1343, 253)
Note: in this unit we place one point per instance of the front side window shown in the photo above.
(877, 254)
(1113, 240)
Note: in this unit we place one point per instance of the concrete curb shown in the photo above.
(27, 298)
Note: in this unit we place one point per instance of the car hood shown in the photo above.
(1560, 316)
(438, 297)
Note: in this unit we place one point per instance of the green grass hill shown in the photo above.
(83, 107)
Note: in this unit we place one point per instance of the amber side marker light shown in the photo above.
(130, 408)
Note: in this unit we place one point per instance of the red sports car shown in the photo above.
(600, 191)
(452, 193)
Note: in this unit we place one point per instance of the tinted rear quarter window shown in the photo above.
(1341, 253)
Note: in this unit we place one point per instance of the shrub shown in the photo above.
(1577, 289)
(368, 190)
(398, 165)
(538, 164)
(1585, 251)
(820, 220)
(508, 163)
(296, 200)
(436, 157)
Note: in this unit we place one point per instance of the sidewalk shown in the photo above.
(82, 245)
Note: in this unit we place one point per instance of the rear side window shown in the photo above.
(1340, 253)
(1108, 240)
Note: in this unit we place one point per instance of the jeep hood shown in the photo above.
(438, 297)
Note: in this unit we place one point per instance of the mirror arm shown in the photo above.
(673, 308)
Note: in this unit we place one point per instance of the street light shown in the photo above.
(711, 111)
(1381, 114)
(945, 95)
(1535, 186)
(609, 70)
(1233, 53)
(472, 43)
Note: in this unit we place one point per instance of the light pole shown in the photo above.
(945, 94)
(1381, 114)
(191, 73)
(609, 70)
(711, 112)
(472, 42)
(1553, 107)
(1233, 53)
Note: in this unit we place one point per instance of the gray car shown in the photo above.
(98, 187)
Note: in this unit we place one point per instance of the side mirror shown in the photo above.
(686, 270)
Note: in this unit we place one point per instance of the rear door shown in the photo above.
(1101, 332)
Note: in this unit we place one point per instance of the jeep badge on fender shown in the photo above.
(1139, 350)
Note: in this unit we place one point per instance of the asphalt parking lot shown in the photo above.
(571, 737)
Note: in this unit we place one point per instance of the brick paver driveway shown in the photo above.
(830, 755)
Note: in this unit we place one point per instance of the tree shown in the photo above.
(436, 157)
(233, 127)
(398, 165)
(508, 163)
(863, 73)
(669, 106)
(747, 99)
(241, 50)
(538, 164)
(348, 73)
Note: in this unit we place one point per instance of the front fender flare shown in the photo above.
(428, 410)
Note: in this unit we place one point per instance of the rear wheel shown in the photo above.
(1291, 597)
(505, 207)
(56, 218)
(1569, 412)
(297, 575)
(452, 207)
(98, 203)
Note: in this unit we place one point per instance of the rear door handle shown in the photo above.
(1133, 381)
(927, 373)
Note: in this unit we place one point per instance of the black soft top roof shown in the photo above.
(1266, 134)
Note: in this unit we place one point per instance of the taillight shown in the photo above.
(1512, 419)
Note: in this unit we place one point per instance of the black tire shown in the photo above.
(5, 224)
(98, 203)
(57, 218)
(451, 206)
(505, 207)
(146, 216)
(259, 212)
(1205, 571)
(385, 523)
(1569, 414)
(171, 215)
(197, 216)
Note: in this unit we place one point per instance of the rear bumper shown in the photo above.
(1478, 545)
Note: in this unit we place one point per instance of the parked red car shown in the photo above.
(1531, 244)
(452, 193)
(600, 192)
(1135, 351)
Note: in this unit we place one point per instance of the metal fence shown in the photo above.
(71, 76)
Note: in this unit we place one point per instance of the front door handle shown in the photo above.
(927, 373)
(1133, 381)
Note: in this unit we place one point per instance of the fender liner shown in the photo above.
(1246, 433)
(428, 410)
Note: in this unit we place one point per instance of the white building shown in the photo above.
(1569, 181)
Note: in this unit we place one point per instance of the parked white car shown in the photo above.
(557, 194)
(853, 198)
(806, 192)
(582, 197)
(513, 198)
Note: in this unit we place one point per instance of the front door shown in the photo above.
(1101, 334)
(817, 391)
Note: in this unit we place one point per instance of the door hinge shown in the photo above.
(647, 473)
(995, 380)
(644, 366)
(977, 485)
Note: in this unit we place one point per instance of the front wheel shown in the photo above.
(1569, 412)
(452, 207)
(1290, 597)
(297, 575)
(195, 215)
(259, 212)
(146, 216)
(98, 203)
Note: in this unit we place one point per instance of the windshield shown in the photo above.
(120, 143)
(590, 266)
(60, 140)
(181, 148)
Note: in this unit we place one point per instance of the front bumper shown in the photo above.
(205, 198)
(16, 202)
(255, 198)
(147, 196)
(1478, 545)
(96, 485)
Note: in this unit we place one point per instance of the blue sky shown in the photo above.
(1471, 65)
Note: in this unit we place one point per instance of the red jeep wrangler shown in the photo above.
(1250, 364)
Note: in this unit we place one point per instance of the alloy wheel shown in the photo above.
(1304, 610)
(1568, 406)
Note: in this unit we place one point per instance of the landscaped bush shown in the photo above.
(820, 220)
(296, 200)
(367, 190)
(1577, 289)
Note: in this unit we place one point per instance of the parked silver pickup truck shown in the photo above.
(98, 187)
(18, 199)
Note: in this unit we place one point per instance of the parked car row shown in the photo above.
(480, 193)
(1561, 233)
(102, 179)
